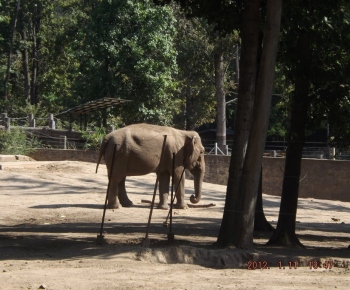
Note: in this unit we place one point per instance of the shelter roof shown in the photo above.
(94, 106)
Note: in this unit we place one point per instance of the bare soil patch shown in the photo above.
(50, 216)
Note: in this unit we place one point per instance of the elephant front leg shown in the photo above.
(180, 193)
(122, 195)
(112, 195)
(164, 180)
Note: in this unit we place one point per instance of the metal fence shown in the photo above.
(318, 150)
(315, 150)
(59, 142)
(33, 125)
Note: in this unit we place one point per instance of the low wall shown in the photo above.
(61, 155)
(323, 179)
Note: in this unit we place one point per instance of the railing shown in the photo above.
(33, 127)
(314, 150)
(58, 142)
(45, 130)
(28, 121)
(317, 150)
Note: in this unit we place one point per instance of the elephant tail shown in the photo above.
(102, 151)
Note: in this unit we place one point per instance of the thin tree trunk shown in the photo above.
(220, 96)
(35, 55)
(237, 65)
(260, 222)
(189, 109)
(25, 64)
(9, 55)
(246, 93)
(285, 231)
(244, 222)
(34, 69)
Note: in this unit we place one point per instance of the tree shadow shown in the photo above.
(65, 205)
(42, 187)
(75, 240)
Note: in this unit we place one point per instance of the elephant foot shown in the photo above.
(180, 206)
(163, 206)
(128, 203)
(113, 205)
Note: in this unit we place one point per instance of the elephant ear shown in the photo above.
(189, 148)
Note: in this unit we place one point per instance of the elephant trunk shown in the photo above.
(198, 179)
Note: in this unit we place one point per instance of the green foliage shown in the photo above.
(128, 53)
(225, 16)
(163, 60)
(279, 116)
(196, 42)
(326, 28)
(93, 138)
(196, 89)
(16, 142)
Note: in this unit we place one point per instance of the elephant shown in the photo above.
(138, 150)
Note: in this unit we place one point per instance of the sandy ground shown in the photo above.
(50, 216)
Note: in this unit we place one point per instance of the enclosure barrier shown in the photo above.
(315, 150)
(28, 121)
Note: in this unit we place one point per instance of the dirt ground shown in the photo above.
(51, 212)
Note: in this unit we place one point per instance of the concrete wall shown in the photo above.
(323, 179)
(61, 155)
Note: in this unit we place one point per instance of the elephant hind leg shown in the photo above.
(122, 195)
(112, 195)
(164, 180)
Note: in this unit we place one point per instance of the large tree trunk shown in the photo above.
(9, 55)
(285, 231)
(244, 221)
(246, 93)
(220, 96)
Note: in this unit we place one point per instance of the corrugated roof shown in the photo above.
(93, 106)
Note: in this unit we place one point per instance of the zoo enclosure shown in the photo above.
(45, 130)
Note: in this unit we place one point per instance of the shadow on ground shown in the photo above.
(78, 240)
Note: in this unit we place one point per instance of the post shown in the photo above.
(100, 237)
(171, 235)
(111, 128)
(333, 153)
(7, 124)
(52, 124)
(31, 120)
(226, 149)
(64, 142)
(3, 117)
